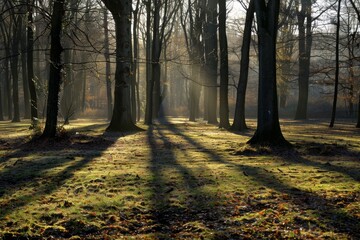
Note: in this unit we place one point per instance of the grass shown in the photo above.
(180, 180)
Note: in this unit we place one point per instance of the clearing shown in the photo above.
(179, 180)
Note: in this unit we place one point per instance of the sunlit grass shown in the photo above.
(184, 180)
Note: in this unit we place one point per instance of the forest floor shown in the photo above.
(179, 180)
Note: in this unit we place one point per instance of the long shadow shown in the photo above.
(15, 175)
(170, 215)
(333, 216)
(321, 150)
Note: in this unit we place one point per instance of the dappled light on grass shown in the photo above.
(182, 180)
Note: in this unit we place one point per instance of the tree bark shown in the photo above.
(24, 70)
(239, 123)
(333, 114)
(107, 66)
(211, 59)
(52, 107)
(224, 68)
(268, 130)
(121, 118)
(305, 43)
(30, 65)
(149, 79)
(14, 63)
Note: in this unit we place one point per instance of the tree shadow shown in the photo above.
(332, 215)
(168, 212)
(20, 170)
(321, 150)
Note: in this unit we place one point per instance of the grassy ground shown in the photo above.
(180, 180)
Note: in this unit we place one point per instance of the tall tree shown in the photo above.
(305, 42)
(192, 22)
(239, 123)
(211, 60)
(333, 114)
(14, 61)
(30, 64)
(107, 65)
(224, 67)
(24, 53)
(56, 66)
(122, 13)
(356, 8)
(268, 130)
(149, 79)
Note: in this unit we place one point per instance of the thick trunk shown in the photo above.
(268, 130)
(56, 49)
(121, 119)
(239, 123)
(224, 68)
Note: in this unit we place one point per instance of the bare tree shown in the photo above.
(55, 70)
(268, 130)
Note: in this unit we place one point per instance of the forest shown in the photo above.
(179, 119)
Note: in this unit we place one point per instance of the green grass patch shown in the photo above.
(179, 181)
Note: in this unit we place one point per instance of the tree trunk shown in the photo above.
(121, 119)
(268, 130)
(358, 115)
(239, 123)
(24, 71)
(305, 43)
(211, 60)
(14, 62)
(224, 68)
(30, 65)
(55, 77)
(155, 56)
(333, 114)
(136, 94)
(149, 80)
(8, 96)
(108, 66)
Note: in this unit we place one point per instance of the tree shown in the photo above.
(121, 119)
(14, 61)
(55, 78)
(239, 123)
(268, 130)
(30, 64)
(224, 68)
(149, 80)
(195, 16)
(305, 42)
(108, 66)
(333, 114)
(211, 61)
(358, 17)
